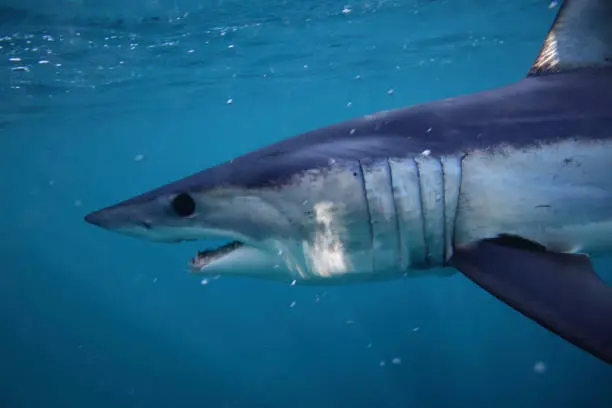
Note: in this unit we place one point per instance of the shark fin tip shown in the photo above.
(580, 37)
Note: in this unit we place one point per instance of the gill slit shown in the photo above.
(458, 204)
(367, 205)
(423, 215)
(400, 243)
(443, 201)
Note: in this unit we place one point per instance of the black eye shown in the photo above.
(183, 205)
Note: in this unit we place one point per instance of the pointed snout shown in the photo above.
(120, 220)
(94, 218)
(112, 217)
(102, 218)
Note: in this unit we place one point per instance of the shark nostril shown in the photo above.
(147, 224)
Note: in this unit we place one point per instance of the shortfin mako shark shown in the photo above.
(512, 187)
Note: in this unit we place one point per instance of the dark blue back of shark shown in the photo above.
(535, 110)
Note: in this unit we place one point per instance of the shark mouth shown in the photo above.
(207, 256)
(239, 259)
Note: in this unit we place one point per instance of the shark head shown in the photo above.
(296, 208)
(174, 214)
(221, 203)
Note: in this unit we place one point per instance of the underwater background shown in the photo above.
(103, 100)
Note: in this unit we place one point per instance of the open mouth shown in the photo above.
(204, 258)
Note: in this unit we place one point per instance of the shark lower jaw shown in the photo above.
(207, 257)
(238, 258)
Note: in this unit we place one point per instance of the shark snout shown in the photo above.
(107, 219)
(95, 218)
(125, 222)
(113, 218)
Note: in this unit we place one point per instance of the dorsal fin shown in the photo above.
(580, 37)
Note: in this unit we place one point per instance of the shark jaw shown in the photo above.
(238, 259)
(207, 257)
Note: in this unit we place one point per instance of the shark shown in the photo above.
(510, 187)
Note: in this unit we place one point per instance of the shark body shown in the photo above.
(511, 187)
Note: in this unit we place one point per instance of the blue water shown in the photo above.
(100, 101)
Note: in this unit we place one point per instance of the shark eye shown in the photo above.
(183, 205)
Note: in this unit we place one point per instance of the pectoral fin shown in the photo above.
(559, 291)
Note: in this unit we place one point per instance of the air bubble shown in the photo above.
(539, 367)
